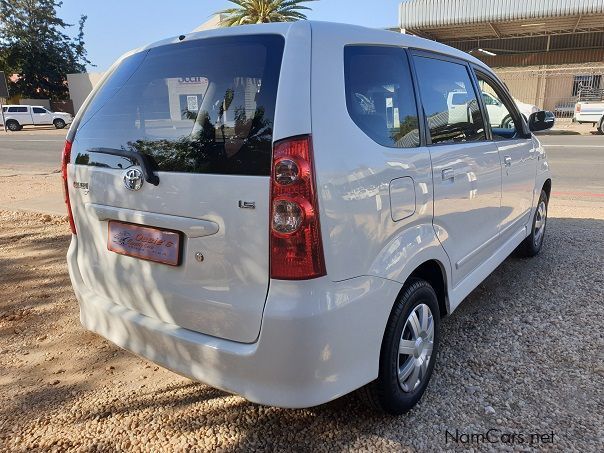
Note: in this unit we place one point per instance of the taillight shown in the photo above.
(578, 107)
(295, 241)
(65, 158)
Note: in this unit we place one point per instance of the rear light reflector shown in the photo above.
(295, 238)
(65, 158)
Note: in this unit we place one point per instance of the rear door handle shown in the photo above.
(448, 173)
(507, 160)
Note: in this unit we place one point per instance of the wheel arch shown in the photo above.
(433, 271)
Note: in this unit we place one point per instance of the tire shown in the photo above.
(533, 243)
(13, 125)
(59, 123)
(387, 394)
(507, 122)
(601, 127)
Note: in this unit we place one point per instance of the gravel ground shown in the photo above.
(523, 354)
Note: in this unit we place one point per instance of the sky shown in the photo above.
(117, 26)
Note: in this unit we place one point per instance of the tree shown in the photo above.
(34, 46)
(261, 11)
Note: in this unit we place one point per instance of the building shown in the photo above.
(213, 22)
(546, 51)
(80, 85)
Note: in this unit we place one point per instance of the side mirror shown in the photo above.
(541, 121)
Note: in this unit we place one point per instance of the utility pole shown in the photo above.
(3, 95)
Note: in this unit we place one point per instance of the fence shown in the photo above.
(554, 88)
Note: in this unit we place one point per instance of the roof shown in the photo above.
(423, 13)
(356, 33)
(449, 19)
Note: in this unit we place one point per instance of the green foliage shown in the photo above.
(205, 149)
(261, 11)
(34, 46)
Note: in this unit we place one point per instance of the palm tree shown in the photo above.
(261, 11)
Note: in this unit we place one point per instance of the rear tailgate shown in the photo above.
(202, 111)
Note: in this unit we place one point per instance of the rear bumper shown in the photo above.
(319, 340)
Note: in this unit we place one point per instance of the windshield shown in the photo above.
(204, 106)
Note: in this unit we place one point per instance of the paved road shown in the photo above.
(31, 151)
(577, 161)
(577, 165)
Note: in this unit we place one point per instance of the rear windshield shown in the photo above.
(203, 106)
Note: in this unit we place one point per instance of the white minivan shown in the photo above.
(287, 211)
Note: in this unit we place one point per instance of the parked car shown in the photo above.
(590, 108)
(17, 116)
(525, 109)
(286, 211)
(497, 111)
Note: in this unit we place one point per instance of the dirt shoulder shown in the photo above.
(41, 193)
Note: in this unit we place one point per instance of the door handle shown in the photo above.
(507, 160)
(448, 173)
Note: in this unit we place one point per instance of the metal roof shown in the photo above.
(429, 13)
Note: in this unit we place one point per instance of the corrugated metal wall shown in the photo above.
(544, 58)
(428, 13)
(534, 43)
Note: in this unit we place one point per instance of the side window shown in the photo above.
(39, 110)
(379, 95)
(501, 115)
(17, 109)
(449, 101)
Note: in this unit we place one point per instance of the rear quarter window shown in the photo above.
(202, 106)
(379, 95)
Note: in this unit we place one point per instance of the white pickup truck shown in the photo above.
(590, 108)
(17, 116)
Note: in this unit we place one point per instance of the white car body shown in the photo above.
(219, 317)
(590, 112)
(526, 109)
(32, 115)
(496, 110)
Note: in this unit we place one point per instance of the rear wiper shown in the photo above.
(142, 159)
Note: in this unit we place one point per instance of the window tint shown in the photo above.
(203, 106)
(39, 110)
(449, 101)
(501, 115)
(17, 109)
(379, 95)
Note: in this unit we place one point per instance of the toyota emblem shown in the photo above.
(133, 179)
